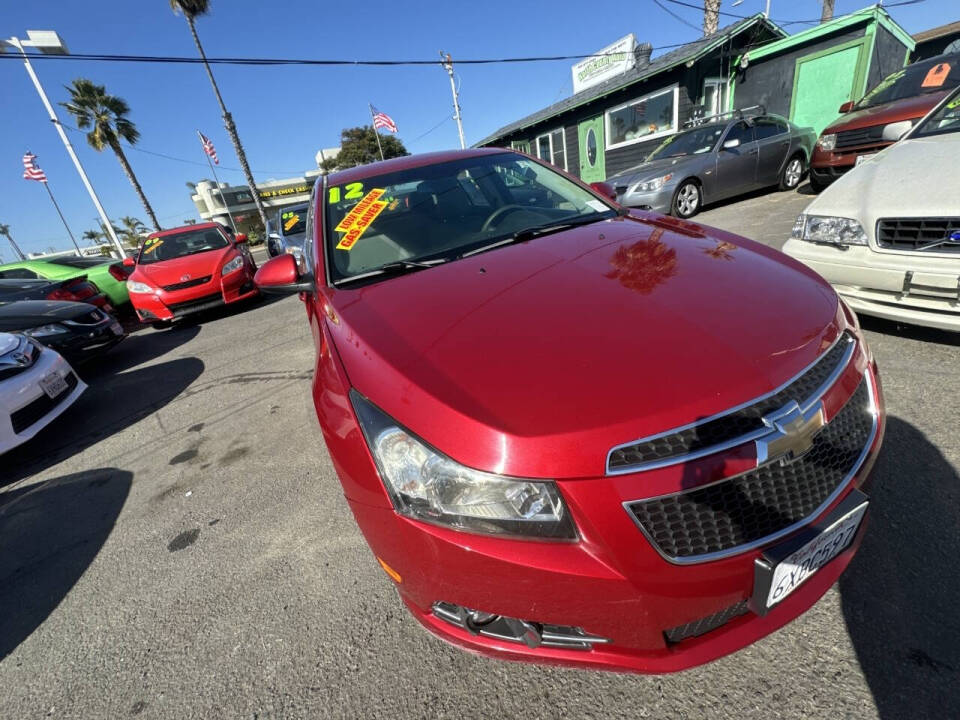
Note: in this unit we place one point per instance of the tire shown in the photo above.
(793, 172)
(686, 200)
(817, 185)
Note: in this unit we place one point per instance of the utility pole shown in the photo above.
(49, 42)
(447, 63)
(827, 13)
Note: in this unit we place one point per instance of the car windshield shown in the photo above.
(445, 210)
(692, 142)
(190, 242)
(78, 262)
(944, 120)
(293, 221)
(919, 79)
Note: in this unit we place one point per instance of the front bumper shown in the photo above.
(825, 167)
(86, 341)
(658, 200)
(611, 583)
(902, 286)
(170, 305)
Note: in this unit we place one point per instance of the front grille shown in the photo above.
(705, 624)
(34, 411)
(91, 318)
(861, 136)
(188, 283)
(189, 306)
(732, 425)
(757, 504)
(917, 233)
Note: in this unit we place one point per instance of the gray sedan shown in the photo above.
(715, 161)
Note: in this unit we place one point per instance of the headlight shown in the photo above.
(827, 142)
(830, 230)
(139, 287)
(46, 330)
(426, 485)
(651, 185)
(234, 264)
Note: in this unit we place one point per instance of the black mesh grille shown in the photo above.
(202, 303)
(188, 283)
(32, 412)
(861, 136)
(706, 624)
(914, 233)
(732, 425)
(761, 502)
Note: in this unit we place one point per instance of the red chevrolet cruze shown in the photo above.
(573, 434)
(188, 269)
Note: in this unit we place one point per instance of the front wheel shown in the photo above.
(686, 201)
(817, 185)
(792, 173)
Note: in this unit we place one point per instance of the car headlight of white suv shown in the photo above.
(829, 230)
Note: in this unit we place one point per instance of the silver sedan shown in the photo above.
(715, 161)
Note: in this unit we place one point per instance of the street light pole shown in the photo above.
(50, 42)
(447, 63)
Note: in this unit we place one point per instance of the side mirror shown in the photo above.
(894, 131)
(731, 144)
(281, 276)
(240, 238)
(605, 189)
(129, 262)
(846, 107)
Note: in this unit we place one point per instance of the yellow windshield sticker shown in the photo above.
(393, 204)
(291, 221)
(151, 244)
(954, 104)
(360, 224)
(359, 209)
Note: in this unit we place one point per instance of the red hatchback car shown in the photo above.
(188, 269)
(575, 434)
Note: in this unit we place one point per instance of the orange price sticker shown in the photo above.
(936, 76)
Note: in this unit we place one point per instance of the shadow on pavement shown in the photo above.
(899, 595)
(911, 332)
(135, 350)
(112, 402)
(50, 533)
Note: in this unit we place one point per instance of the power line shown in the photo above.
(674, 15)
(815, 21)
(423, 135)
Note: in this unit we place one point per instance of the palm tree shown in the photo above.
(93, 236)
(5, 231)
(711, 13)
(192, 9)
(106, 117)
(132, 227)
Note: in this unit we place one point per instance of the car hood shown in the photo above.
(570, 344)
(912, 178)
(31, 313)
(896, 111)
(170, 272)
(654, 169)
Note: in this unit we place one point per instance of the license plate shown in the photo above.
(53, 385)
(862, 159)
(116, 327)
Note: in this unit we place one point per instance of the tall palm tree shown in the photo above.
(5, 231)
(93, 236)
(192, 9)
(106, 118)
(711, 14)
(132, 227)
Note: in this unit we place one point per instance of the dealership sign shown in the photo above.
(607, 63)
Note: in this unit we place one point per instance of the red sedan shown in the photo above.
(188, 269)
(575, 434)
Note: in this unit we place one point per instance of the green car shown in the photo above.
(107, 274)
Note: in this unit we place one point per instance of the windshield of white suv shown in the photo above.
(442, 211)
(692, 142)
(944, 120)
(923, 77)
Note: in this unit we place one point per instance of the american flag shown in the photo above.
(30, 169)
(208, 147)
(382, 120)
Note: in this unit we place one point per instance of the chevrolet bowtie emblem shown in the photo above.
(791, 433)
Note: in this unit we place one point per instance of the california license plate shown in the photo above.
(53, 385)
(783, 569)
(862, 159)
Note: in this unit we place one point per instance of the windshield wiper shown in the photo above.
(540, 230)
(397, 267)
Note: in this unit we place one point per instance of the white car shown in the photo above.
(36, 385)
(887, 234)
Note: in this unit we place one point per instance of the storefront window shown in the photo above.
(646, 118)
(552, 148)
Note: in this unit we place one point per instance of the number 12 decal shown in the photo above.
(354, 192)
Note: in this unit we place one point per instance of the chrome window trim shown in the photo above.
(754, 544)
(805, 405)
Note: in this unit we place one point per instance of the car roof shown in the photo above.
(406, 163)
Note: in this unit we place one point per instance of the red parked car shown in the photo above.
(188, 269)
(881, 117)
(575, 434)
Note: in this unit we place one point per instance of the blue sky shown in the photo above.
(285, 114)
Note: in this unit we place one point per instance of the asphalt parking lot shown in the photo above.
(178, 546)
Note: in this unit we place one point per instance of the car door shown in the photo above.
(737, 166)
(773, 144)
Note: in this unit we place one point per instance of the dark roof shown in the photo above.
(664, 62)
(938, 32)
(404, 163)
